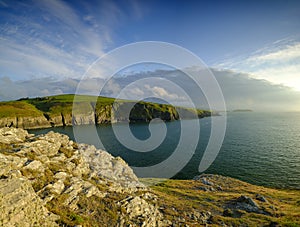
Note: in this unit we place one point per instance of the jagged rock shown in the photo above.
(33, 167)
(81, 166)
(140, 212)
(202, 217)
(42, 158)
(9, 163)
(245, 203)
(261, 198)
(55, 137)
(57, 187)
(208, 185)
(77, 187)
(13, 135)
(207, 182)
(60, 170)
(59, 158)
(60, 176)
(20, 206)
(41, 147)
(247, 200)
(105, 165)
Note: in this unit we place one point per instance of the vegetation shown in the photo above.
(184, 197)
(93, 211)
(18, 109)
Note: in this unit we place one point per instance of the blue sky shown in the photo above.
(59, 39)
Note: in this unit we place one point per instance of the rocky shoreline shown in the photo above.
(49, 180)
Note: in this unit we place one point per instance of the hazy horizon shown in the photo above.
(240, 90)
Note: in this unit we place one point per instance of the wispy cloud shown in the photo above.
(52, 38)
(278, 63)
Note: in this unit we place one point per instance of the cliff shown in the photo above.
(49, 180)
(58, 111)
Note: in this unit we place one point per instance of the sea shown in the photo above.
(259, 148)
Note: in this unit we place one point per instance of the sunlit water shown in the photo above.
(260, 148)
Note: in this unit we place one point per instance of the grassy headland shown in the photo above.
(57, 110)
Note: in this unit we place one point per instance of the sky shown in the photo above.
(56, 41)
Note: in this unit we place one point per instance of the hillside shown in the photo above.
(49, 180)
(55, 111)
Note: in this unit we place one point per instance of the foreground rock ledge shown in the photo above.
(49, 180)
(46, 180)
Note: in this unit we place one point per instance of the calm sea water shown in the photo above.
(260, 148)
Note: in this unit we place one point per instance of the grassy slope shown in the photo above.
(183, 197)
(18, 109)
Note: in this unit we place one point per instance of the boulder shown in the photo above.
(139, 212)
(245, 203)
(108, 167)
(13, 135)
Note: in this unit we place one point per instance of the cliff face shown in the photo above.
(55, 111)
(25, 122)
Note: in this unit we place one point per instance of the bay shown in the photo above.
(260, 148)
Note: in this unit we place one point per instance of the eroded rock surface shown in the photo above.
(20, 205)
(46, 179)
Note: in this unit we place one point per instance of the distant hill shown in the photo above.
(51, 111)
(242, 110)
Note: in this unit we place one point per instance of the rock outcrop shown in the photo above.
(45, 179)
(21, 206)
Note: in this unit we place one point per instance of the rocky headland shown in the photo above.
(63, 110)
(49, 180)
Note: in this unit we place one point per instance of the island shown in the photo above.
(242, 110)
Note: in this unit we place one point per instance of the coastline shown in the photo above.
(57, 182)
(56, 111)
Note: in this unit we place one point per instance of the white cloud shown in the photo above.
(278, 63)
(59, 43)
(163, 93)
(290, 52)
